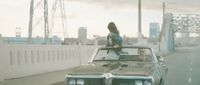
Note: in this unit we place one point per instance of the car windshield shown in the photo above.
(124, 54)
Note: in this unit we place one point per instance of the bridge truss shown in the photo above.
(179, 23)
(186, 23)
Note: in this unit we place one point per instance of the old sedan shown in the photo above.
(129, 65)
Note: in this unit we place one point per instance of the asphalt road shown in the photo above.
(184, 67)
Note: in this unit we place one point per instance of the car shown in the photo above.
(120, 66)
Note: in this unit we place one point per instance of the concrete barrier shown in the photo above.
(2, 63)
(24, 60)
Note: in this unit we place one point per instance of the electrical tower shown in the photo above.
(39, 18)
(59, 4)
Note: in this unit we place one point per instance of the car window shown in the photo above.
(125, 54)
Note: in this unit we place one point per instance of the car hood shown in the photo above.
(116, 68)
(136, 69)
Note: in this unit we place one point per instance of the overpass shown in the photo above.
(19, 61)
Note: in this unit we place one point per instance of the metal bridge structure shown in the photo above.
(188, 23)
(178, 23)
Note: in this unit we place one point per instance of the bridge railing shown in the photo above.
(24, 60)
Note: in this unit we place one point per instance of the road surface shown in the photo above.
(184, 67)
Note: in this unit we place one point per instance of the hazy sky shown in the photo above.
(93, 14)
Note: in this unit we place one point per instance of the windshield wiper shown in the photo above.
(106, 65)
(107, 60)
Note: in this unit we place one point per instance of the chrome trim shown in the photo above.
(84, 76)
(110, 76)
(134, 77)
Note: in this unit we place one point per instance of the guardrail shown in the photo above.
(24, 60)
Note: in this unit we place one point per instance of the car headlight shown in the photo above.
(108, 75)
(72, 82)
(138, 82)
(147, 83)
(80, 82)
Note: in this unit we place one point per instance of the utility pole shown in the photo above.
(31, 22)
(164, 6)
(139, 17)
(139, 21)
(163, 25)
(46, 22)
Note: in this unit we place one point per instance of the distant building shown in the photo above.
(154, 30)
(1, 41)
(70, 41)
(18, 31)
(82, 35)
(35, 40)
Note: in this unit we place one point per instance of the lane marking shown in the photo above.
(191, 69)
(189, 80)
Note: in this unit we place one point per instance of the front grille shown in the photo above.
(94, 81)
(125, 81)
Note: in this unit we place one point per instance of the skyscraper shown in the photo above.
(154, 30)
(82, 35)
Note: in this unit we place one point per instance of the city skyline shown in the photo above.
(94, 16)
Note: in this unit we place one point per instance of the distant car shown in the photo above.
(120, 66)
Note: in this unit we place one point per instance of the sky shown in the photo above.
(92, 14)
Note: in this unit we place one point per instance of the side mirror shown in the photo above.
(160, 58)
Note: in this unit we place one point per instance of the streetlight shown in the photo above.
(164, 5)
(139, 21)
(164, 24)
(160, 39)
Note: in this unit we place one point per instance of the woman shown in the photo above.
(113, 38)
